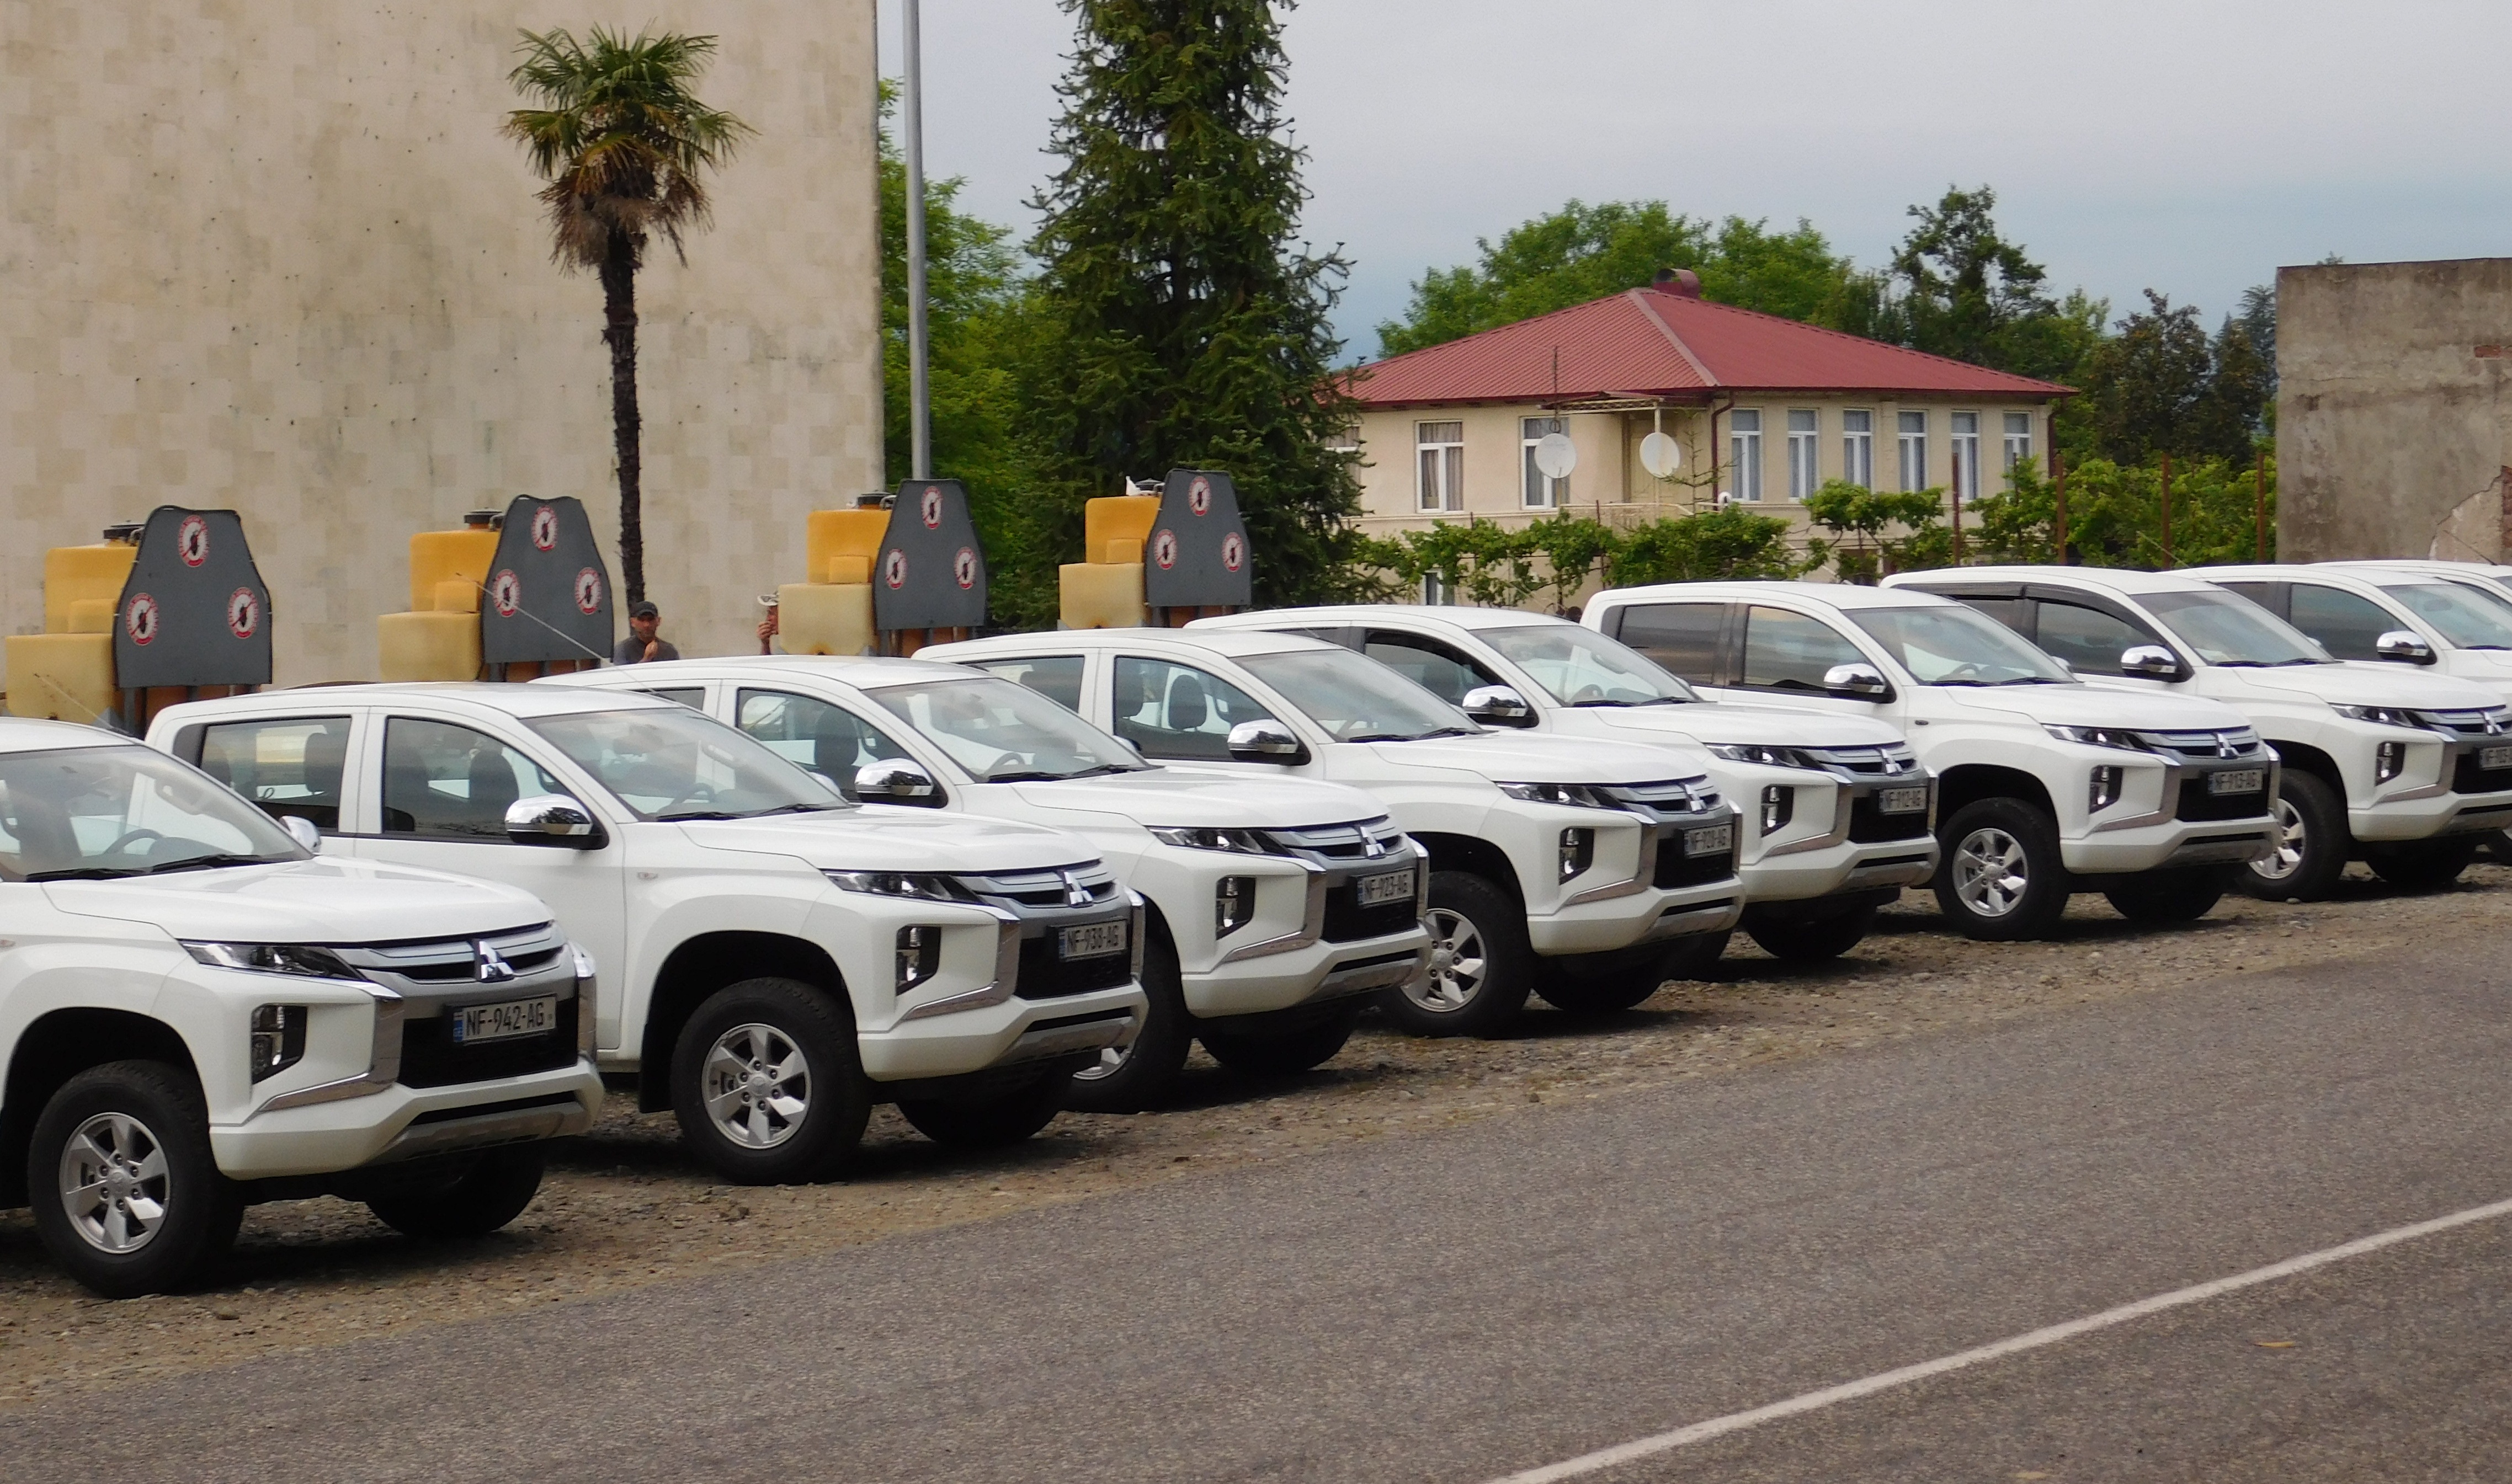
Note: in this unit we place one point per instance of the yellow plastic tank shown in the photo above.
(1114, 526)
(448, 567)
(76, 578)
(825, 617)
(428, 647)
(62, 677)
(1101, 595)
(839, 546)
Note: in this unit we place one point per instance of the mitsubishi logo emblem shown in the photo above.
(2494, 725)
(1074, 893)
(2224, 747)
(489, 966)
(1370, 846)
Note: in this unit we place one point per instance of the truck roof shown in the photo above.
(1233, 642)
(1838, 594)
(512, 699)
(2116, 579)
(854, 669)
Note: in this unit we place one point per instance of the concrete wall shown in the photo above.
(2394, 411)
(274, 254)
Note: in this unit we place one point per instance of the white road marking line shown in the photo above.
(1885, 1380)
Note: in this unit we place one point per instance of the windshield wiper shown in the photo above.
(2266, 664)
(1417, 736)
(204, 862)
(2030, 680)
(783, 808)
(85, 873)
(1655, 700)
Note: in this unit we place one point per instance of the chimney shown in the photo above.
(1682, 282)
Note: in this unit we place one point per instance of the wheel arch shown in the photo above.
(58, 1046)
(1466, 853)
(706, 964)
(2304, 757)
(1967, 783)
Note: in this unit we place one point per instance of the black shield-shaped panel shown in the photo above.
(1196, 556)
(548, 594)
(932, 572)
(194, 611)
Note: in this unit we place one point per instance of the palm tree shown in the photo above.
(621, 142)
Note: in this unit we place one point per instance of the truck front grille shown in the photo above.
(2468, 778)
(1044, 976)
(1677, 869)
(1869, 825)
(431, 1058)
(2196, 804)
(1348, 922)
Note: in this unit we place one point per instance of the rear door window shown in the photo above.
(1056, 677)
(1177, 712)
(813, 734)
(2347, 626)
(288, 766)
(1683, 636)
(1428, 663)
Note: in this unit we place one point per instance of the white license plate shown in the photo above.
(1709, 840)
(497, 1021)
(1393, 886)
(2240, 780)
(1902, 801)
(1091, 940)
(2491, 758)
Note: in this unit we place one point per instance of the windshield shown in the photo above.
(1003, 732)
(2228, 629)
(124, 810)
(1956, 646)
(2465, 615)
(670, 762)
(1358, 700)
(1581, 667)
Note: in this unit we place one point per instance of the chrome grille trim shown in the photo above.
(1018, 889)
(2243, 741)
(2467, 723)
(1883, 760)
(1663, 797)
(1334, 845)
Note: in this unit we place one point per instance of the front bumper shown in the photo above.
(400, 1124)
(2170, 844)
(1331, 953)
(1004, 1033)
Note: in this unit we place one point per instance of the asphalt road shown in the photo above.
(1462, 1305)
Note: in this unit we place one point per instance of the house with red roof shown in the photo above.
(1759, 409)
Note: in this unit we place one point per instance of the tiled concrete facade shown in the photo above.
(274, 254)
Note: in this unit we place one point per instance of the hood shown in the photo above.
(1769, 725)
(324, 900)
(1504, 757)
(2100, 706)
(2375, 683)
(879, 838)
(1217, 800)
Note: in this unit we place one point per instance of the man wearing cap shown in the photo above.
(644, 641)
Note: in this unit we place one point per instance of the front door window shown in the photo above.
(1177, 712)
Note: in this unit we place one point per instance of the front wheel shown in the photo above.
(768, 1085)
(1482, 966)
(1143, 1072)
(2426, 866)
(493, 1191)
(2002, 878)
(127, 1197)
(2311, 843)
(988, 1123)
(2183, 894)
(1281, 1053)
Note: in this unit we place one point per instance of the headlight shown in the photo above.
(278, 1039)
(1755, 751)
(902, 884)
(1201, 838)
(2378, 716)
(1575, 795)
(303, 959)
(2096, 736)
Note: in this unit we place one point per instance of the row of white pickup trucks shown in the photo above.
(381, 941)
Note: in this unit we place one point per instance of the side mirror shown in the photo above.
(1499, 706)
(2151, 661)
(2064, 663)
(1266, 742)
(896, 781)
(302, 831)
(1857, 682)
(551, 819)
(2403, 647)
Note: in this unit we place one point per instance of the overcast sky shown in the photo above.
(2192, 146)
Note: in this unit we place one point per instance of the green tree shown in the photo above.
(1180, 321)
(623, 142)
(2115, 514)
(1725, 543)
(1860, 520)
(1962, 290)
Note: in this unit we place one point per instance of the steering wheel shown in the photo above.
(1971, 672)
(128, 836)
(696, 791)
(1588, 694)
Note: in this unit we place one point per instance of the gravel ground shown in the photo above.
(624, 1206)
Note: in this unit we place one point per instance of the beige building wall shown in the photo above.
(276, 257)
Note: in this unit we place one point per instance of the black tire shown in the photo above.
(1482, 969)
(2312, 846)
(2002, 880)
(2426, 866)
(473, 1201)
(1006, 1118)
(1281, 1053)
(792, 1144)
(143, 1119)
(2183, 894)
(1607, 984)
(1802, 941)
(1144, 1074)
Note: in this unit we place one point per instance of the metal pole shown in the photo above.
(2262, 487)
(2166, 509)
(1954, 498)
(920, 388)
(2059, 517)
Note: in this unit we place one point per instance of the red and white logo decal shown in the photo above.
(963, 566)
(506, 592)
(192, 540)
(893, 569)
(932, 506)
(1199, 495)
(545, 527)
(139, 619)
(588, 591)
(243, 613)
(1165, 548)
(1233, 550)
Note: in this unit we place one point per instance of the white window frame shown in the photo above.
(1448, 457)
(1913, 444)
(1805, 451)
(1744, 452)
(1966, 456)
(2018, 444)
(1552, 492)
(1858, 446)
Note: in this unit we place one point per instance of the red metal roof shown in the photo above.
(1647, 342)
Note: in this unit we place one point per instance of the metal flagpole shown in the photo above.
(920, 388)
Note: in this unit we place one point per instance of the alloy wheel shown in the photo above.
(113, 1182)
(1457, 966)
(757, 1085)
(1991, 871)
(2286, 858)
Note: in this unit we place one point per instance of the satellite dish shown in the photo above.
(1555, 455)
(1660, 455)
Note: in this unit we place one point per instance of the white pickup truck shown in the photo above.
(2044, 784)
(1576, 870)
(197, 1014)
(780, 960)
(1838, 813)
(2406, 771)
(1275, 905)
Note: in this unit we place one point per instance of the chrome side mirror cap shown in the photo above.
(1499, 706)
(2151, 661)
(895, 781)
(1857, 683)
(302, 831)
(551, 819)
(2405, 647)
(1266, 742)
